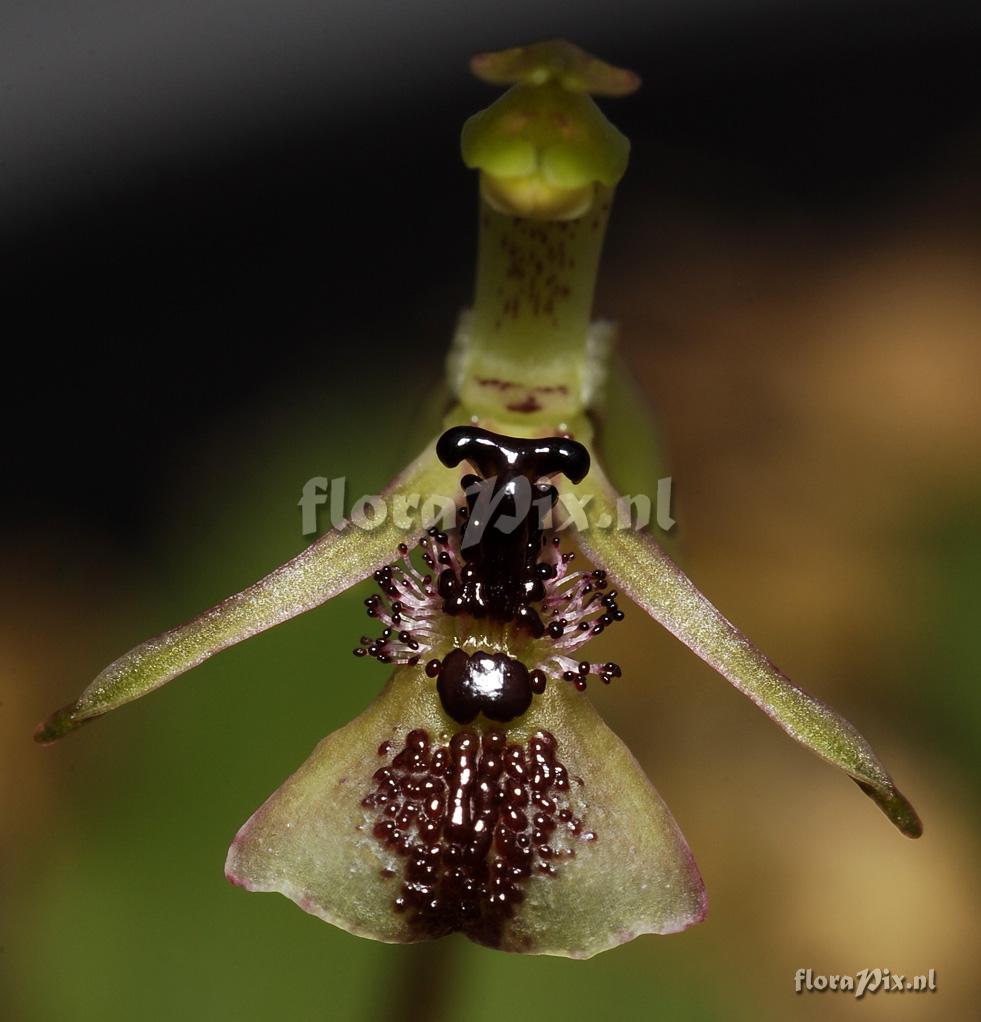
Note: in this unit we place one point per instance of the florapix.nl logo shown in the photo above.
(325, 502)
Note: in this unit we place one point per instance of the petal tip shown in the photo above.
(235, 880)
(700, 914)
(235, 873)
(59, 724)
(897, 807)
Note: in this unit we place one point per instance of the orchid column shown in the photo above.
(549, 161)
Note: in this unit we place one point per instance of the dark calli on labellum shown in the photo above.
(480, 792)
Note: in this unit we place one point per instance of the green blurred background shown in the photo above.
(794, 262)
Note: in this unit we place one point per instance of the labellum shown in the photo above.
(480, 793)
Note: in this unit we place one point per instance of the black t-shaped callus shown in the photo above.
(507, 500)
(494, 455)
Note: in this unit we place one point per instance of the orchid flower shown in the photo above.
(480, 792)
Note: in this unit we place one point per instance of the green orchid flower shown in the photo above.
(480, 792)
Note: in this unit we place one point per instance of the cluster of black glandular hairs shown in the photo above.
(582, 598)
(379, 648)
(471, 823)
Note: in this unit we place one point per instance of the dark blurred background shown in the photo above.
(236, 237)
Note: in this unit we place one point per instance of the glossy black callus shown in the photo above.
(501, 540)
(490, 683)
